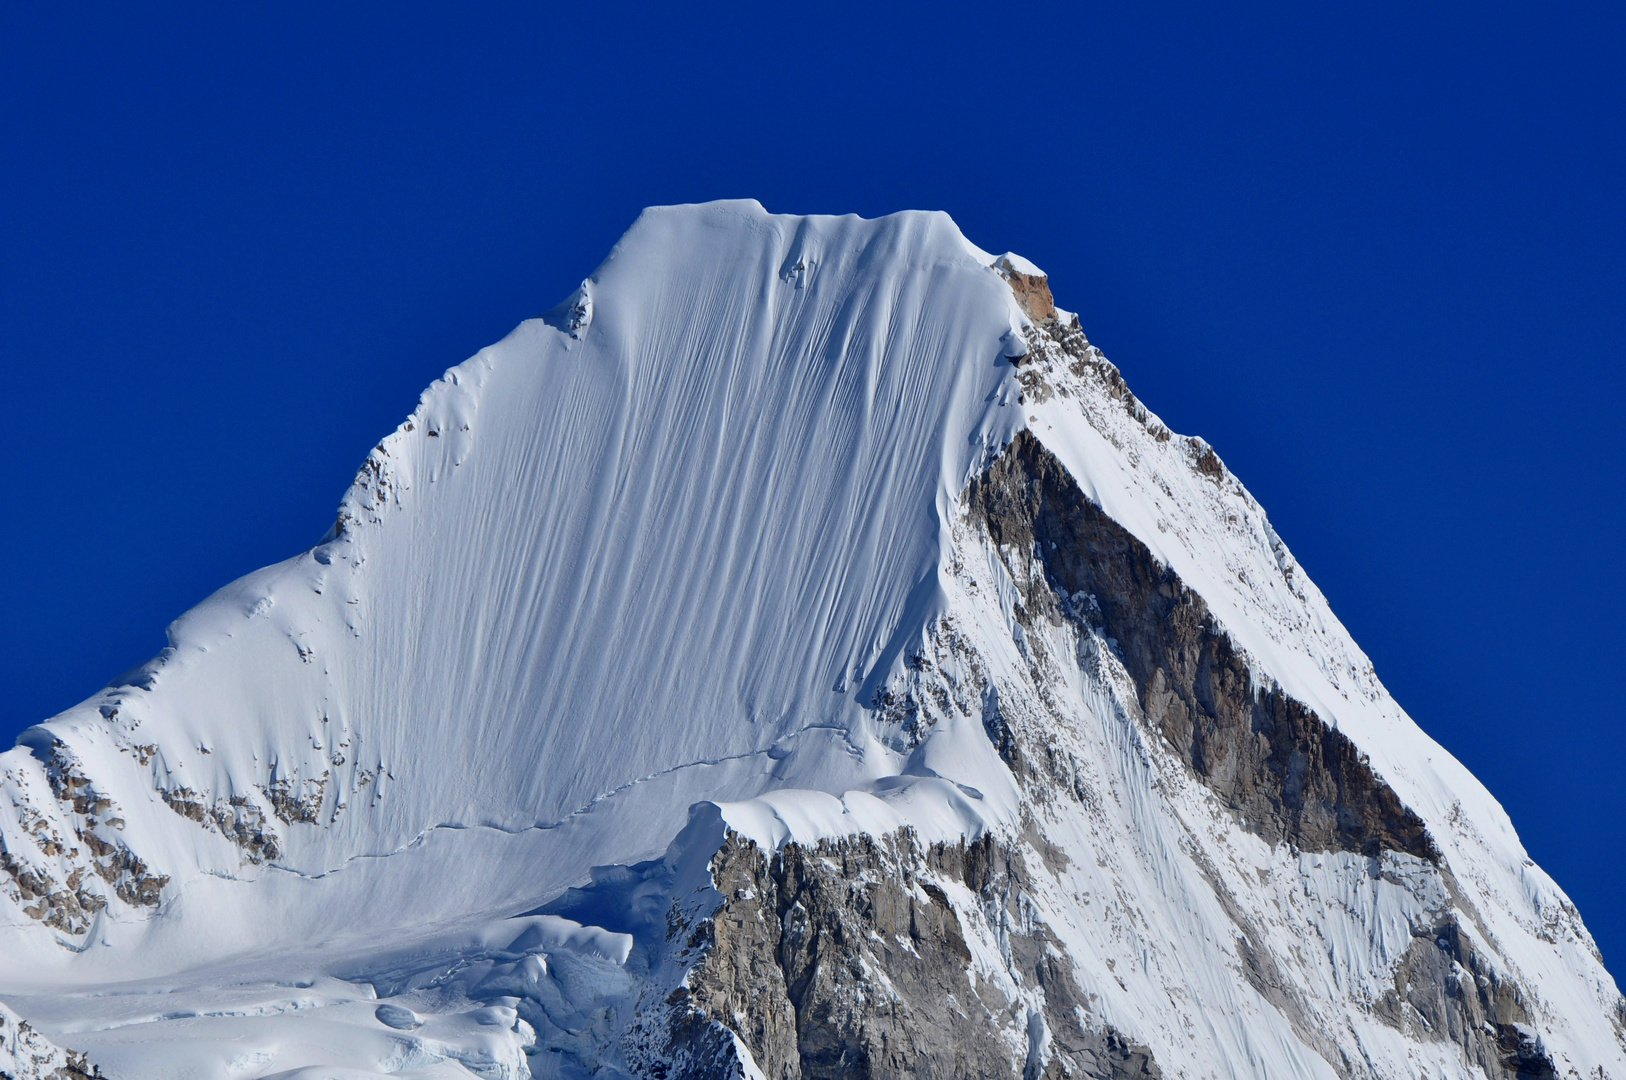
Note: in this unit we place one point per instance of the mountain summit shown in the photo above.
(797, 654)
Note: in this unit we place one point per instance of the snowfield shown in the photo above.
(688, 562)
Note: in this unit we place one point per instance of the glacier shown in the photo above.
(797, 653)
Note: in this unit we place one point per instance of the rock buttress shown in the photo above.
(1286, 772)
(846, 960)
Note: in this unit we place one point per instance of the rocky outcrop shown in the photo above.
(80, 855)
(1032, 290)
(238, 819)
(849, 960)
(1444, 990)
(25, 1054)
(1285, 772)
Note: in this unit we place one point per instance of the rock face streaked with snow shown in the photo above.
(796, 655)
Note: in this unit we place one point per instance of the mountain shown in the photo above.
(797, 654)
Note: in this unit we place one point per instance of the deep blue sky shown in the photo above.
(1375, 254)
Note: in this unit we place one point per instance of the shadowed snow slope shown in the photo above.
(694, 547)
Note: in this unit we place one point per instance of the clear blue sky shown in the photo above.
(1375, 253)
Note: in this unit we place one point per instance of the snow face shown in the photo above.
(666, 542)
(1178, 498)
(656, 559)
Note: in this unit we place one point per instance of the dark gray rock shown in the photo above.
(1444, 990)
(1286, 772)
(847, 960)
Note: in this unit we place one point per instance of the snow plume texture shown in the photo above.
(685, 563)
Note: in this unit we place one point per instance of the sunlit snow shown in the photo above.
(634, 576)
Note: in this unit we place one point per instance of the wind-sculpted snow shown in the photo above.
(797, 638)
(700, 531)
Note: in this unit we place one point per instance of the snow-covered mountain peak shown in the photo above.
(793, 577)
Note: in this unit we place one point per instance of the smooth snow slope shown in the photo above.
(662, 548)
(670, 537)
